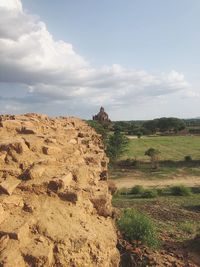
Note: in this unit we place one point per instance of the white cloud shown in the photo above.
(53, 70)
(11, 5)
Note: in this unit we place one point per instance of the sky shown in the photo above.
(139, 59)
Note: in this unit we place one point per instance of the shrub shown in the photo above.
(139, 135)
(180, 190)
(137, 189)
(188, 158)
(138, 227)
(150, 193)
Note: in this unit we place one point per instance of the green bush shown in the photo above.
(137, 189)
(188, 158)
(180, 190)
(150, 193)
(138, 227)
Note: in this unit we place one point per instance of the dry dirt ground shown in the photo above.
(136, 179)
(178, 248)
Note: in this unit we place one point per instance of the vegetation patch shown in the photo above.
(150, 193)
(174, 148)
(137, 189)
(180, 190)
(137, 227)
(189, 227)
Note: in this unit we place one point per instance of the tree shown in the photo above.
(121, 126)
(154, 156)
(100, 129)
(139, 135)
(150, 126)
(117, 145)
(170, 125)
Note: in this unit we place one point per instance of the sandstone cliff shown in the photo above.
(55, 208)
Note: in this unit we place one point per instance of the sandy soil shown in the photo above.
(132, 181)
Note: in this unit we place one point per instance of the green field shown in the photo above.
(171, 147)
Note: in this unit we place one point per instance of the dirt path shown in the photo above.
(130, 181)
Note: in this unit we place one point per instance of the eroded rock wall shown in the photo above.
(55, 208)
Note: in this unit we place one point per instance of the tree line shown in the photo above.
(115, 139)
(161, 125)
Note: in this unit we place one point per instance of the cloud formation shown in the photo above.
(52, 72)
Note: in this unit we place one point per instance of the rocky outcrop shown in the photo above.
(55, 208)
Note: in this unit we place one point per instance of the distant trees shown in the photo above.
(121, 126)
(150, 126)
(161, 125)
(127, 127)
(164, 125)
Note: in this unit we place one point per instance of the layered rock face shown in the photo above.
(55, 208)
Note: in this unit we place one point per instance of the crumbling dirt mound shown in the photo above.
(55, 208)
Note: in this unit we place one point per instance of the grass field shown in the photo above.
(171, 147)
(172, 167)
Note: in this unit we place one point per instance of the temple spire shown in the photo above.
(102, 116)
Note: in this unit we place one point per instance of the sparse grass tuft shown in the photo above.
(189, 227)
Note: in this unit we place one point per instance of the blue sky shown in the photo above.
(158, 35)
(140, 59)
